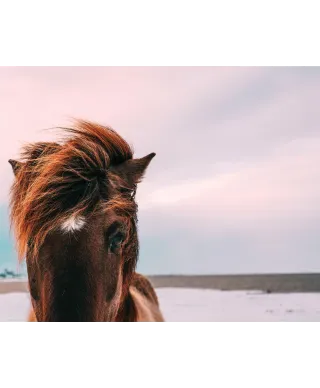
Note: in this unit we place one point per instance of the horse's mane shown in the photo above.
(60, 180)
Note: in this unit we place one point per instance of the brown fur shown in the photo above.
(143, 285)
(91, 173)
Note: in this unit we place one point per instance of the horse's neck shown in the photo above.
(146, 310)
(128, 310)
(137, 308)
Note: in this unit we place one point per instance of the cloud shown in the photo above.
(283, 185)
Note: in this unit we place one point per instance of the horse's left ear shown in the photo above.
(15, 166)
(133, 170)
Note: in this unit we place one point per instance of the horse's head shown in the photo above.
(74, 214)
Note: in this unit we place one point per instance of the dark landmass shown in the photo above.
(269, 283)
(7, 274)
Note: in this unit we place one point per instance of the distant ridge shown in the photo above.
(276, 283)
(269, 283)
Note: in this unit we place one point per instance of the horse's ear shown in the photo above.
(132, 171)
(15, 166)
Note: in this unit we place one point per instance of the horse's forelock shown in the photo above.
(61, 180)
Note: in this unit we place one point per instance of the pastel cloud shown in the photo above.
(284, 185)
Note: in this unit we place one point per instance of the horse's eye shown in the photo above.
(115, 241)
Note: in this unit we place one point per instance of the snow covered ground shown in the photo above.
(237, 306)
(186, 305)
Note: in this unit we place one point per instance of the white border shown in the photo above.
(160, 355)
(171, 32)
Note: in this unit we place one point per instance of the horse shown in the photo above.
(74, 214)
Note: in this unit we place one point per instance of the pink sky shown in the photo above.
(237, 152)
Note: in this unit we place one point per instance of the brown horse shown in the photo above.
(74, 214)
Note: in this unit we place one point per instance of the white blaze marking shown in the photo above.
(73, 224)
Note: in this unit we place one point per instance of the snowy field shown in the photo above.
(187, 305)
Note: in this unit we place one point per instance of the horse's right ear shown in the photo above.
(15, 166)
(131, 171)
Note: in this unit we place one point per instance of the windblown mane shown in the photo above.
(60, 180)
